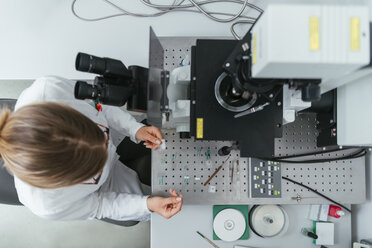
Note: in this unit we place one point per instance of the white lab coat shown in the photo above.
(119, 193)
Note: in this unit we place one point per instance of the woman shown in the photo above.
(64, 164)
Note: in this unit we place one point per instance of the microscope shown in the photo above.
(246, 90)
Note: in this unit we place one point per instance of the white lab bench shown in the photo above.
(180, 230)
(42, 37)
(169, 171)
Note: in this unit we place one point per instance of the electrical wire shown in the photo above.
(193, 6)
(250, 213)
(315, 153)
(316, 192)
(358, 154)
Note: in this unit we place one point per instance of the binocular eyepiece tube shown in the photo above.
(103, 66)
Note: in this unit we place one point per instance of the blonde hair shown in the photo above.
(51, 145)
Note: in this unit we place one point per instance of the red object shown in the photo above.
(335, 211)
(99, 107)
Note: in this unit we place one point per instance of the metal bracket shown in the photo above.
(164, 102)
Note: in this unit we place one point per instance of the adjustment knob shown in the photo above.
(310, 93)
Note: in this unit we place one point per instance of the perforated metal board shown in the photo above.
(299, 137)
(184, 167)
(343, 179)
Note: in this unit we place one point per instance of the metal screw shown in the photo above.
(324, 148)
(227, 64)
(194, 78)
(167, 114)
(271, 95)
(340, 147)
(245, 46)
(298, 198)
(279, 103)
(193, 102)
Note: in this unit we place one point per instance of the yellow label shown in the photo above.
(199, 128)
(354, 34)
(254, 49)
(314, 33)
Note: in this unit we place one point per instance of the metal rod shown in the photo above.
(218, 169)
(207, 239)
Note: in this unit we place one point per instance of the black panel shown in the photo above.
(255, 132)
(192, 95)
(326, 110)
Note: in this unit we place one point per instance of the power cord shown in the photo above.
(355, 155)
(180, 5)
(316, 192)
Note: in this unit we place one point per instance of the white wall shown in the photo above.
(362, 214)
(42, 37)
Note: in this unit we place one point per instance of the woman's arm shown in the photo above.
(99, 205)
(125, 123)
(122, 121)
(117, 206)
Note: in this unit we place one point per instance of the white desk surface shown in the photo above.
(42, 37)
(180, 231)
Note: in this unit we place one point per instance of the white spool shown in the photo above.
(269, 221)
(229, 224)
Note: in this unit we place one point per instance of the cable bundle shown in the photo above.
(186, 6)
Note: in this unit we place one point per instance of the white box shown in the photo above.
(354, 120)
(313, 213)
(325, 232)
(314, 39)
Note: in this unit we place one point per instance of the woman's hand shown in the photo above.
(151, 135)
(165, 206)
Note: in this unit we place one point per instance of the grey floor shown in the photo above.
(20, 228)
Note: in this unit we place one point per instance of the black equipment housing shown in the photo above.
(255, 133)
(116, 84)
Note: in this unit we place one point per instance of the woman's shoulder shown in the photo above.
(48, 202)
(48, 88)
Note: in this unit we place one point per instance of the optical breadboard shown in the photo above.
(186, 164)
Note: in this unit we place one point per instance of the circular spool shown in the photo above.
(241, 106)
(269, 221)
(229, 224)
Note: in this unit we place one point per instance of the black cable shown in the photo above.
(355, 155)
(250, 213)
(314, 153)
(316, 192)
(358, 154)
